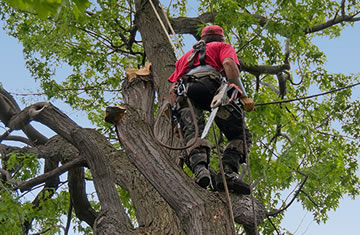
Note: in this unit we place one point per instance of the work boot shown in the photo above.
(234, 183)
(202, 175)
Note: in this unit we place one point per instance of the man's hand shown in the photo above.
(249, 104)
(172, 94)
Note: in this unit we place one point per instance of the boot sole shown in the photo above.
(240, 188)
(203, 180)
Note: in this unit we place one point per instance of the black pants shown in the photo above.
(201, 93)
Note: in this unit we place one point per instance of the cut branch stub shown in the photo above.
(113, 114)
(133, 73)
(139, 91)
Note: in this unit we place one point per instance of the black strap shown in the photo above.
(199, 47)
(202, 55)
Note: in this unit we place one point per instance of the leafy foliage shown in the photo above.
(45, 8)
(319, 137)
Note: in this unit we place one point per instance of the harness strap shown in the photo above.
(199, 47)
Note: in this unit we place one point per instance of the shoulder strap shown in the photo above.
(199, 47)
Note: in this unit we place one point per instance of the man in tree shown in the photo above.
(201, 71)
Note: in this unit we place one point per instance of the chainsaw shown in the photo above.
(227, 101)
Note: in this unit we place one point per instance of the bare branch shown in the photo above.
(5, 135)
(19, 139)
(78, 196)
(274, 213)
(7, 175)
(307, 195)
(190, 25)
(263, 69)
(277, 231)
(343, 8)
(56, 172)
(329, 23)
(68, 221)
(95, 158)
(101, 38)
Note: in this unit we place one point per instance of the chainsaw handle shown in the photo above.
(220, 95)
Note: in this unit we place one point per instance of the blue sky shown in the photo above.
(342, 54)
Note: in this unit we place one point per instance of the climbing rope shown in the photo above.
(249, 174)
(155, 130)
(164, 28)
(309, 97)
(224, 179)
(172, 30)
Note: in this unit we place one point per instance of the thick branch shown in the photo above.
(190, 25)
(9, 109)
(56, 149)
(56, 172)
(80, 202)
(332, 22)
(243, 213)
(95, 157)
(263, 69)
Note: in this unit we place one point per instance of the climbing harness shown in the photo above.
(198, 48)
(181, 90)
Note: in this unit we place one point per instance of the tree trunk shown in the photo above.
(166, 200)
(199, 211)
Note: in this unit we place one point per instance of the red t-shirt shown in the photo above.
(216, 52)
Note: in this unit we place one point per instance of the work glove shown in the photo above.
(249, 104)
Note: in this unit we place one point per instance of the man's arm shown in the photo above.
(232, 72)
(233, 75)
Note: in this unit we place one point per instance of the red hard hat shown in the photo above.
(212, 30)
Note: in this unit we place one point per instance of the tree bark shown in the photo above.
(195, 208)
(112, 215)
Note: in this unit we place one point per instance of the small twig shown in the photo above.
(343, 8)
(68, 222)
(274, 213)
(48, 229)
(332, 135)
(9, 178)
(262, 29)
(6, 134)
(277, 231)
(301, 222)
(307, 195)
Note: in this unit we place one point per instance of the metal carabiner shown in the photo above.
(181, 89)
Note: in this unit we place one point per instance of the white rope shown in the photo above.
(163, 26)
(172, 30)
